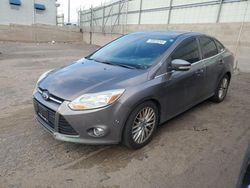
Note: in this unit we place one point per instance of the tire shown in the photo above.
(243, 179)
(221, 90)
(139, 129)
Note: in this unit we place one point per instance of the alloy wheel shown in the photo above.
(143, 125)
(223, 88)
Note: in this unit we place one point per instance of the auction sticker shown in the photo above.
(156, 41)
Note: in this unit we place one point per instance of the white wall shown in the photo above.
(157, 12)
(24, 14)
(238, 12)
(47, 16)
(203, 14)
(39, 33)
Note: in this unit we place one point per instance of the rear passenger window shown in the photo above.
(188, 51)
(219, 46)
(208, 47)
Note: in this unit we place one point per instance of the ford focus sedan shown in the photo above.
(124, 90)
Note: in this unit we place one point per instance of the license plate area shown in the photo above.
(42, 112)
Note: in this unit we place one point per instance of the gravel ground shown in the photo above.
(203, 147)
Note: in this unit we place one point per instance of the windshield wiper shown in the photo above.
(115, 64)
(124, 65)
(99, 61)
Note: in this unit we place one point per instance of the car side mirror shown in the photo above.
(180, 65)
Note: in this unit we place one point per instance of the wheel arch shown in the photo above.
(228, 74)
(149, 99)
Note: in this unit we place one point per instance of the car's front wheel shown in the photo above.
(141, 125)
(221, 90)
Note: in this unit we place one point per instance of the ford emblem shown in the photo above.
(45, 95)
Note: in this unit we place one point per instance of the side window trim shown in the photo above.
(218, 42)
(202, 52)
(185, 40)
(199, 47)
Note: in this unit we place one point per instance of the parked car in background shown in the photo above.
(124, 90)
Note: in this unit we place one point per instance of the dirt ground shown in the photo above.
(201, 148)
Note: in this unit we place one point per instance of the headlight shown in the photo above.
(96, 100)
(44, 75)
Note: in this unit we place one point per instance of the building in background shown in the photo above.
(28, 12)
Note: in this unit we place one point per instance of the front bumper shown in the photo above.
(110, 118)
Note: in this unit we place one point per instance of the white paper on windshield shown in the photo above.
(156, 41)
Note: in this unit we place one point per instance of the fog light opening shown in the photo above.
(97, 132)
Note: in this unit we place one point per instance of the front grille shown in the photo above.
(64, 127)
(50, 120)
(51, 97)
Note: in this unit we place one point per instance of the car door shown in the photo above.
(213, 61)
(185, 88)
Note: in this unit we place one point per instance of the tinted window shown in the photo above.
(208, 47)
(188, 51)
(219, 46)
(137, 50)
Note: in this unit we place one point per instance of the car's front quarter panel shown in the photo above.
(149, 90)
(110, 118)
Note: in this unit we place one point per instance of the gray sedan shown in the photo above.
(124, 90)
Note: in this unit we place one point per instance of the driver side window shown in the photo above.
(188, 51)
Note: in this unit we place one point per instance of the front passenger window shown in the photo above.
(188, 51)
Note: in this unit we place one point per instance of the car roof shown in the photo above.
(174, 34)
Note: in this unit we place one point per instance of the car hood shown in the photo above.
(88, 76)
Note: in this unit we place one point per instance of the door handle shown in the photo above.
(221, 62)
(199, 71)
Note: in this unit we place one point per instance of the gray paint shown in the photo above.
(173, 91)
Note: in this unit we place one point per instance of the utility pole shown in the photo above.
(68, 11)
(239, 37)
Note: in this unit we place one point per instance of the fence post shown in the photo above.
(139, 21)
(169, 11)
(111, 18)
(219, 11)
(119, 12)
(79, 18)
(126, 15)
(103, 18)
(91, 24)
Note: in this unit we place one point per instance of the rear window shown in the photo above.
(219, 46)
(208, 47)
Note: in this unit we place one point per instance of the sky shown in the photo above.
(75, 5)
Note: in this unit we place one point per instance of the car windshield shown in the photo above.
(136, 50)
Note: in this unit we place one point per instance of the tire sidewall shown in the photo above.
(127, 133)
(217, 98)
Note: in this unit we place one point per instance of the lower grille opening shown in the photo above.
(50, 114)
(65, 128)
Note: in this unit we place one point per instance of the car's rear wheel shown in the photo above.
(141, 125)
(221, 90)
